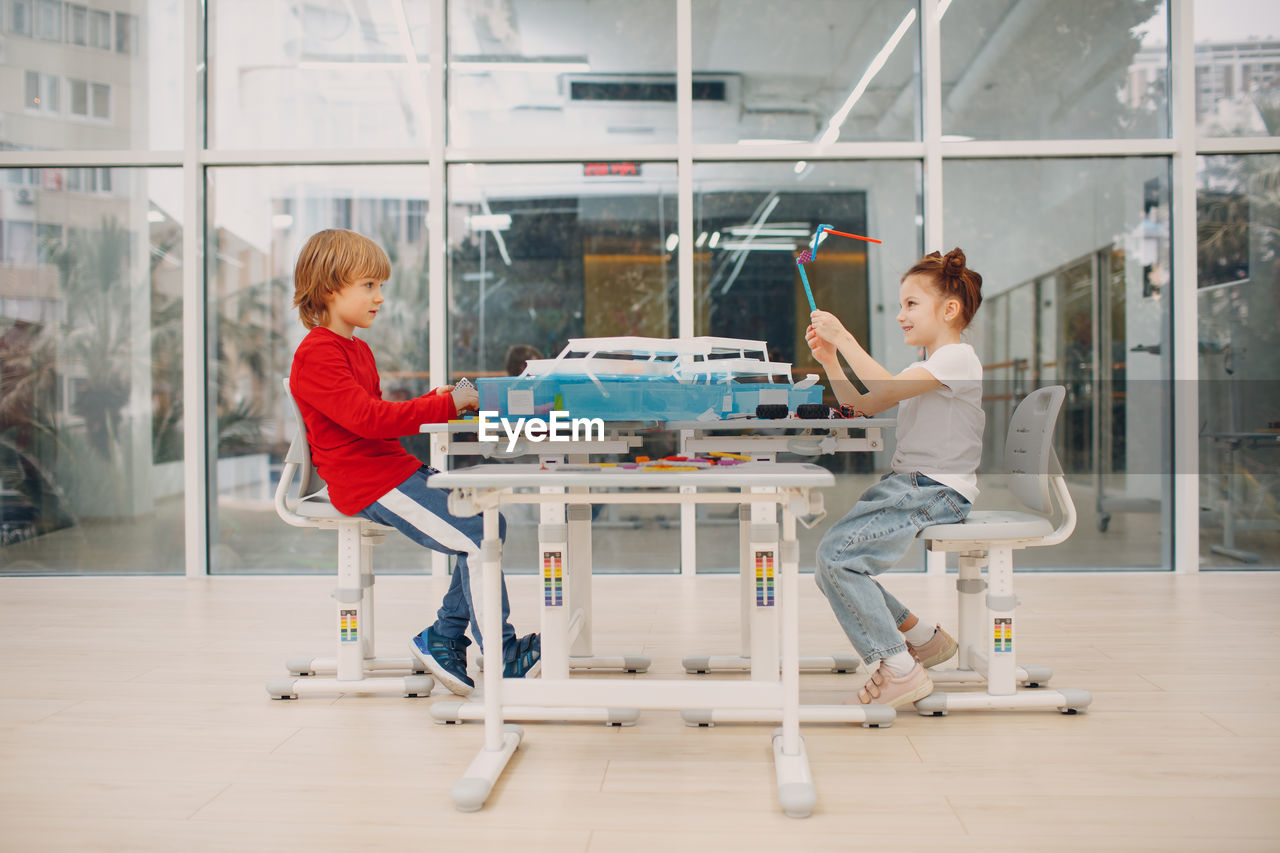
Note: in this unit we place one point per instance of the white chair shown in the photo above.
(986, 636)
(354, 594)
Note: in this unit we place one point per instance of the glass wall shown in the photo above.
(1074, 255)
(1238, 218)
(539, 254)
(825, 71)
(313, 75)
(259, 218)
(81, 76)
(1089, 69)
(752, 219)
(91, 419)
(1237, 68)
(544, 73)
(546, 132)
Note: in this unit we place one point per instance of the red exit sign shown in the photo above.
(600, 170)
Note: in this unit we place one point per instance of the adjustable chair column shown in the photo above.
(353, 624)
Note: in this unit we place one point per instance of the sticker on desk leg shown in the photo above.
(1002, 634)
(553, 578)
(348, 626)
(764, 578)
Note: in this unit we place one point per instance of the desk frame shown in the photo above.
(484, 489)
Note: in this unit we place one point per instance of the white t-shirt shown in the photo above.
(940, 432)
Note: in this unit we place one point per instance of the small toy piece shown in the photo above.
(772, 411)
(813, 411)
(811, 254)
(464, 383)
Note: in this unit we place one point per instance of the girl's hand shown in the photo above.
(828, 327)
(823, 350)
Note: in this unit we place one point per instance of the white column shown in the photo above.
(195, 418)
(1185, 464)
(437, 247)
(931, 53)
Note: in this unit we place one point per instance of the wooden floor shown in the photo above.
(133, 718)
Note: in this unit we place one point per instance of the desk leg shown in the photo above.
(747, 610)
(578, 517)
(578, 570)
(762, 554)
(796, 792)
(500, 741)
(553, 546)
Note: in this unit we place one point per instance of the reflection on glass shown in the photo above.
(539, 254)
(325, 74)
(1077, 294)
(1021, 69)
(259, 217)
(751, 221)
(84, 78)
(562, 72)
(805, 70)
(1237, 69)
(1238, 218)
(91, 419)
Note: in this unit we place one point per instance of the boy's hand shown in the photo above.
(465, 398)
(825, 324)
(823, 350)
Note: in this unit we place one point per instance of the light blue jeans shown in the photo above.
(869, 540)
(421, 512)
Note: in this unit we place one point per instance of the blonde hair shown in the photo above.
(331, 260)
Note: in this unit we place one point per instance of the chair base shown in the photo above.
(411, 686)
(1066, 700)
(372, 666)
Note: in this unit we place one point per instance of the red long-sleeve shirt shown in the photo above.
(353, 432)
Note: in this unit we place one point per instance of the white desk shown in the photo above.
(484, 488)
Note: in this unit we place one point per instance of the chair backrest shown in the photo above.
(1028, 451)
(309, 482)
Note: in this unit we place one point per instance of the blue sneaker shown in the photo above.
(445, 658)
(527, 659)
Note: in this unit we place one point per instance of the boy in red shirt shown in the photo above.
(354, 435)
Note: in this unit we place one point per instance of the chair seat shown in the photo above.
(987, 525)
(317, 507)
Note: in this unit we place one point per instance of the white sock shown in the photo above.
(900, 664)
(921, 633)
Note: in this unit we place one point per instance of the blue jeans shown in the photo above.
(869, 540)
(421, 513)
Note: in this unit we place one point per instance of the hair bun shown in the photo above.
(953, 263)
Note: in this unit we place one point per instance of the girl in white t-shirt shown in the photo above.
(940, 423)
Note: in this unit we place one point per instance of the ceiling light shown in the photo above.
(489, 221)
(758, 246)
